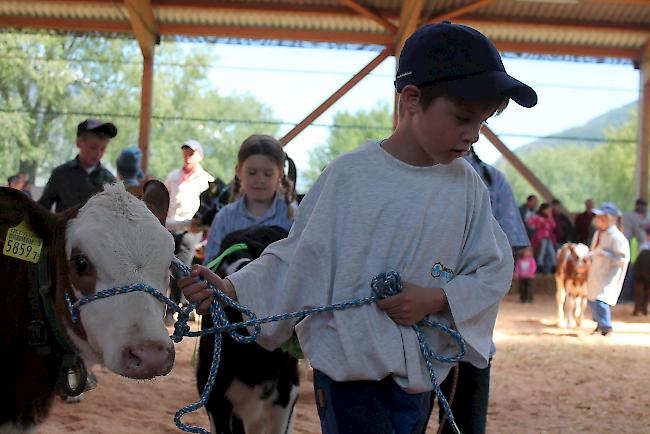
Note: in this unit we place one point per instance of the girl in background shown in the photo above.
(261, 193)
(525, 269)
(544, 241)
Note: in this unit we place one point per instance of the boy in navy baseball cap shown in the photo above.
(407, 204)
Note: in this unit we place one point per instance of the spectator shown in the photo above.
(633, 229)
(504, 207)
(641, 277)
(563, 229)
(544, 241)
(185, 185)
(526, 211)
(583, 230)
(128, 166)
(610, 253)
(74, 182)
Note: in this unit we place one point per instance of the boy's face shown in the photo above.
(91, 149)
(446, 129)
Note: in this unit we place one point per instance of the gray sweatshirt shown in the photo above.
(369, 213)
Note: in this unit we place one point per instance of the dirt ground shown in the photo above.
(544, 380)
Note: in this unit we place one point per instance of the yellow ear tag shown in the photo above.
(23, 243)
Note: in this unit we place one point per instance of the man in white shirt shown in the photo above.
(185, 185)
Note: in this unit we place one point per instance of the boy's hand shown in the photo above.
(197, 291)
(413, 304)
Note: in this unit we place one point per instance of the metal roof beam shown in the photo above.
(568, 49)
(190, 30)
(277, 34)
(559, 25)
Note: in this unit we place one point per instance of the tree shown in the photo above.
(50, 82)
(576, 172)
(350, 131)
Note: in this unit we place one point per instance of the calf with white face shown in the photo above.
(114, 240)
(573, 265)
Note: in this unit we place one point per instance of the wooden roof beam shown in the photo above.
(517, 164)
(143, 24)
(336, 96)
(409, 21)
(374, 16)
(449, 15)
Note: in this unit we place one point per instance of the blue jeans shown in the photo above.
(546, 258)
(369, 407)
(602, 314)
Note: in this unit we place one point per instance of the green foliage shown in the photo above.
(351, 131)
(576, 172)
(50, 82)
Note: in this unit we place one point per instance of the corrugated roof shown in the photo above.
(616, 28)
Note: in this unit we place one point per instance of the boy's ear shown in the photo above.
(410, 98)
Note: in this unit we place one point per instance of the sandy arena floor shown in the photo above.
(544, 380)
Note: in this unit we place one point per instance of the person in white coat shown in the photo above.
(610, 253)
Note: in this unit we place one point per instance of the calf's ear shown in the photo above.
(16, 207)
(156, 196)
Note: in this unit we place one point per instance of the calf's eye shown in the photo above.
(81, 265)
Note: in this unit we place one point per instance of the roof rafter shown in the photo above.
(143, 24)
(458, 11)
(409, 20)
(364, 11)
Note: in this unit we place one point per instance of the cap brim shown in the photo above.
(493, 84)
(107, 128)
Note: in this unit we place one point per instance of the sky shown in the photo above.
(294, 81)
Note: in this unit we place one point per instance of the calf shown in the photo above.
(108, 242)
(255, 390)
(571, 283)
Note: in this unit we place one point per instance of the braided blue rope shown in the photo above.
(383, 285)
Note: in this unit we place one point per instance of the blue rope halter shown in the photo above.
(383, 285)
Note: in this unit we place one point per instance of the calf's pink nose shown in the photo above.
(148, 359)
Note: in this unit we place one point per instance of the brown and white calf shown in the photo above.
(571, 283)
(111, 241)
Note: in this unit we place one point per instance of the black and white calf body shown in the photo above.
(107, 243)
(255, 390)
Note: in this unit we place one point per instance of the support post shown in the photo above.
(145, 109)
(517, 164)
(335, 97)
(409, 20)
(643, 143)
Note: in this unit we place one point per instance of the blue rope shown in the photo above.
(383, 285)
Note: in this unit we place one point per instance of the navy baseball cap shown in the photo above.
(97, 126)
(462, 59)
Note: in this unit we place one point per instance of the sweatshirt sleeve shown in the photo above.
(276, 282)
(484, 275)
